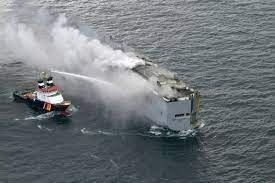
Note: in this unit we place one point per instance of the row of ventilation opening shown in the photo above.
(181, 115)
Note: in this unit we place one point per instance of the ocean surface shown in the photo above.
(225, 49)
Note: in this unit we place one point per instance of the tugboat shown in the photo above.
(45, 97)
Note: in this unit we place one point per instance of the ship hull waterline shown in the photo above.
(40, 105)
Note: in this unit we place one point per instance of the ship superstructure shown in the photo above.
(48, 93)
(171, 103)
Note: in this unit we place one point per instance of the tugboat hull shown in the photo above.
(26, 97)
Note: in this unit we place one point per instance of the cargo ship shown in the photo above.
(45, 97)
(170, 103)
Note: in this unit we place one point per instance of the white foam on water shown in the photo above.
(39, 126)
(7, 93)
(41, 116)
(160, 131)
(94, 157)
(71, 109)
(156, 132)
(201, 125)
(97, 132)
(44, 128)
(114, 164)
(186, 133)
(87, 132)
(105, 133)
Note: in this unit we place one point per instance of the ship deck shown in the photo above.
(165, 82)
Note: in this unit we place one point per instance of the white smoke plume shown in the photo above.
(62, 47)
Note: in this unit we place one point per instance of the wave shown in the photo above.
(44, 128)
(166, 133)
(42, 116)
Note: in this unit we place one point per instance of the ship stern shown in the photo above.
(182, 113)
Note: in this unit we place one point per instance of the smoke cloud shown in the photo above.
(62, 46)
(58, 46)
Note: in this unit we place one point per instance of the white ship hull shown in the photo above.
(178, 111)
(177, 115)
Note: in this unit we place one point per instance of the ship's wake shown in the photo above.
(41, 127)
(153, 132)
(6, 93)
(164, 132)
(43, 116)
(69, 111)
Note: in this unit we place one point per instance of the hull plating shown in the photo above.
(40, 105)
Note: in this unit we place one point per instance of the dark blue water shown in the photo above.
(225, 49)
